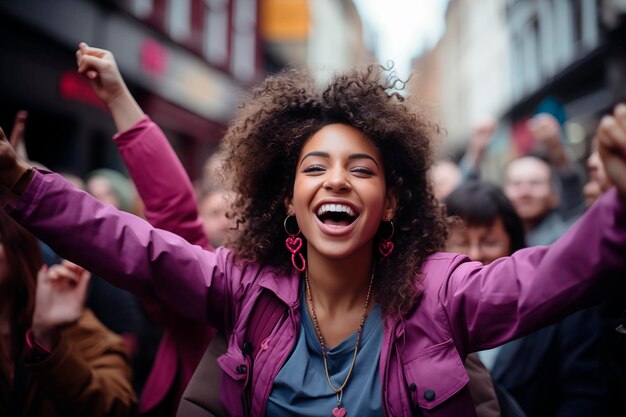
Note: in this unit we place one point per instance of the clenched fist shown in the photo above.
(611, 136)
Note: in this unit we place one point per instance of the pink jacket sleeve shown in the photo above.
(161, 181)
(535, 287)
(170, 204)
(128, 251)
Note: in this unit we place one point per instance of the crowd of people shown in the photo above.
(312, 270)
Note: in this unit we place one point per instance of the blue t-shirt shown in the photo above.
(301, 388)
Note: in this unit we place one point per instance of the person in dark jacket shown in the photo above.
(556, 371)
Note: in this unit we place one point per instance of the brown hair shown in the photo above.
(22, 254)
(263, 143)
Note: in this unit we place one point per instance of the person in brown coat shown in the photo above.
(56, 358)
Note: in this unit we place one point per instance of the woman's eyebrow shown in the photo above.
(363, 156)
(315, 153)
(352, 156)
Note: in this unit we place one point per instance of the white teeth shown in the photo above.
(335, 208)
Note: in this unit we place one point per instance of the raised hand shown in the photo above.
(547, 133)
(482, 135)
(611, 136)
(99, 66)
(11, 166)
(59, 300)
(17, 134)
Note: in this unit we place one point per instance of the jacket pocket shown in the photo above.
(234, 365)
(434, 375)
(235, 377)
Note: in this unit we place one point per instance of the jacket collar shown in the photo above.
(285, 286)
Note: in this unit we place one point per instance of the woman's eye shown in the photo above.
(362, 170)
(313, 168)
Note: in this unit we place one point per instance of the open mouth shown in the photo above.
(336, 215)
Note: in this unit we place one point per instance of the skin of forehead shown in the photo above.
(528, 167)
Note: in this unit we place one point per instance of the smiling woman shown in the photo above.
(378, 322)
(288, 132)
(341, 171)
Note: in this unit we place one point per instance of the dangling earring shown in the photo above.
(385, 247)
(294, 244)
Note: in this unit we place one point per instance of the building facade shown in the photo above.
(510, 59)
(186, 62)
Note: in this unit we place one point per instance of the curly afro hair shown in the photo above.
(262, 147)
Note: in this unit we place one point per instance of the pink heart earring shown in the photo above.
(294, 244)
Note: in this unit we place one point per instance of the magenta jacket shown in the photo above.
(170, 204)
(464, 306)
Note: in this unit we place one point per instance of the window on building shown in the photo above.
(517, 67)
(577, 16)
(216, 32)
(243, 57)
(585, 25)
(142, 8)
(179, 19)
(590, 24)
(531, 56)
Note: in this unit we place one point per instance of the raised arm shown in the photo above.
(513, 296)
(161, 180)
(100, 68)
(547, 133)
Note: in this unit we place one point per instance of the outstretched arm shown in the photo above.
(119, 247)
(126, 250)
(538, 286)
(161, 180)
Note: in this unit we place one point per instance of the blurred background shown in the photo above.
(188, 61)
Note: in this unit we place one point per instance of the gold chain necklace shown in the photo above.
(338, 411)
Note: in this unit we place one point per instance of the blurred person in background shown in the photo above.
(124, 316)
(613, 313)
(598, 182)
(531, 187)
(170, 204)
(546, 212)
(481, 138)
(550, 140)
(111, 187)
(446, 176)
(213, 204)
(56, 358)
(556, 371)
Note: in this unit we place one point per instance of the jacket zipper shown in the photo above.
(385, 380)
(266, 395)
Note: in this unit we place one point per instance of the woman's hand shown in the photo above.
(546, 132)
(17, 135)
(59, 300)
(611, 136)
(11, 167)
(100, 68)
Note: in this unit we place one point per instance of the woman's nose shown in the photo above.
(337, 181)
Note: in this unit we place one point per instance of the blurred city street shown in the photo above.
(188, 62)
